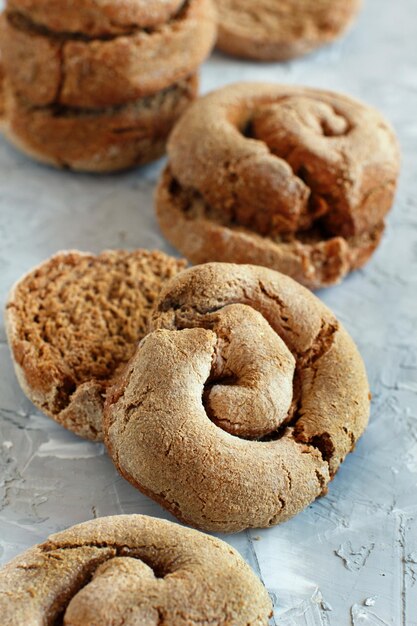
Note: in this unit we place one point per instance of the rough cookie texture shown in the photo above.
(132, 570)
(103, 140)
(239, 407)
(74, 321)
(270, 30)
(59, 68)
(296, 179)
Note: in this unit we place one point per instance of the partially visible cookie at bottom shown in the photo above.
(96, 140)
(74, 321)
(134, 570)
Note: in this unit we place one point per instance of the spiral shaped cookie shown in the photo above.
(269, 30)
(132, 570)
(296, 179)
(239, 407)
(74, 321)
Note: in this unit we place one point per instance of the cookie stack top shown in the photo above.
(99, 54)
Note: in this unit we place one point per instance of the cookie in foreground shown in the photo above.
(240, 406)
(134, 570)
(74, 321)
(293, 178)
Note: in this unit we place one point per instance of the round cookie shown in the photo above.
(269, 30)
(95, 18)
(237, 410)
(74, 321)
(296, 179)
(100, 140)
(132, 570)
(64, 69)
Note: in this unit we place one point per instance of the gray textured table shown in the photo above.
(351, 558)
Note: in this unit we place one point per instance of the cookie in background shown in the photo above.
(271, 30)
(99, 87)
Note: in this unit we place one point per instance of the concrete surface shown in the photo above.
(351, 558)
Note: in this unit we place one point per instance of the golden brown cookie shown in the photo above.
(132, 570)
(270, 30)
(296, 179)
(74, 321)
(239, 407)
(46, 68)
(96, 18)
(99, 140)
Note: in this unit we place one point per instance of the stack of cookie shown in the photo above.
(296, 179)
(97, 86)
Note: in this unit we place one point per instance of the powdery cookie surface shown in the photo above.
(296, 179)
(59, 68)
(99, 140)
(270, 30)
(74, 321)
(240, 406)
(132, 570)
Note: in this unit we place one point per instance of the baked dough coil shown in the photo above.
(49, 67)
(131, 570)
(295, 179)
(237, 410)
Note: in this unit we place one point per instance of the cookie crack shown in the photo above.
(153, 101)
(23, 22)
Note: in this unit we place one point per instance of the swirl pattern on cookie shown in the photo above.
(296, 179)
(239, 407)
(132, 570)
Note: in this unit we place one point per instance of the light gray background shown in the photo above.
(350, 558)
